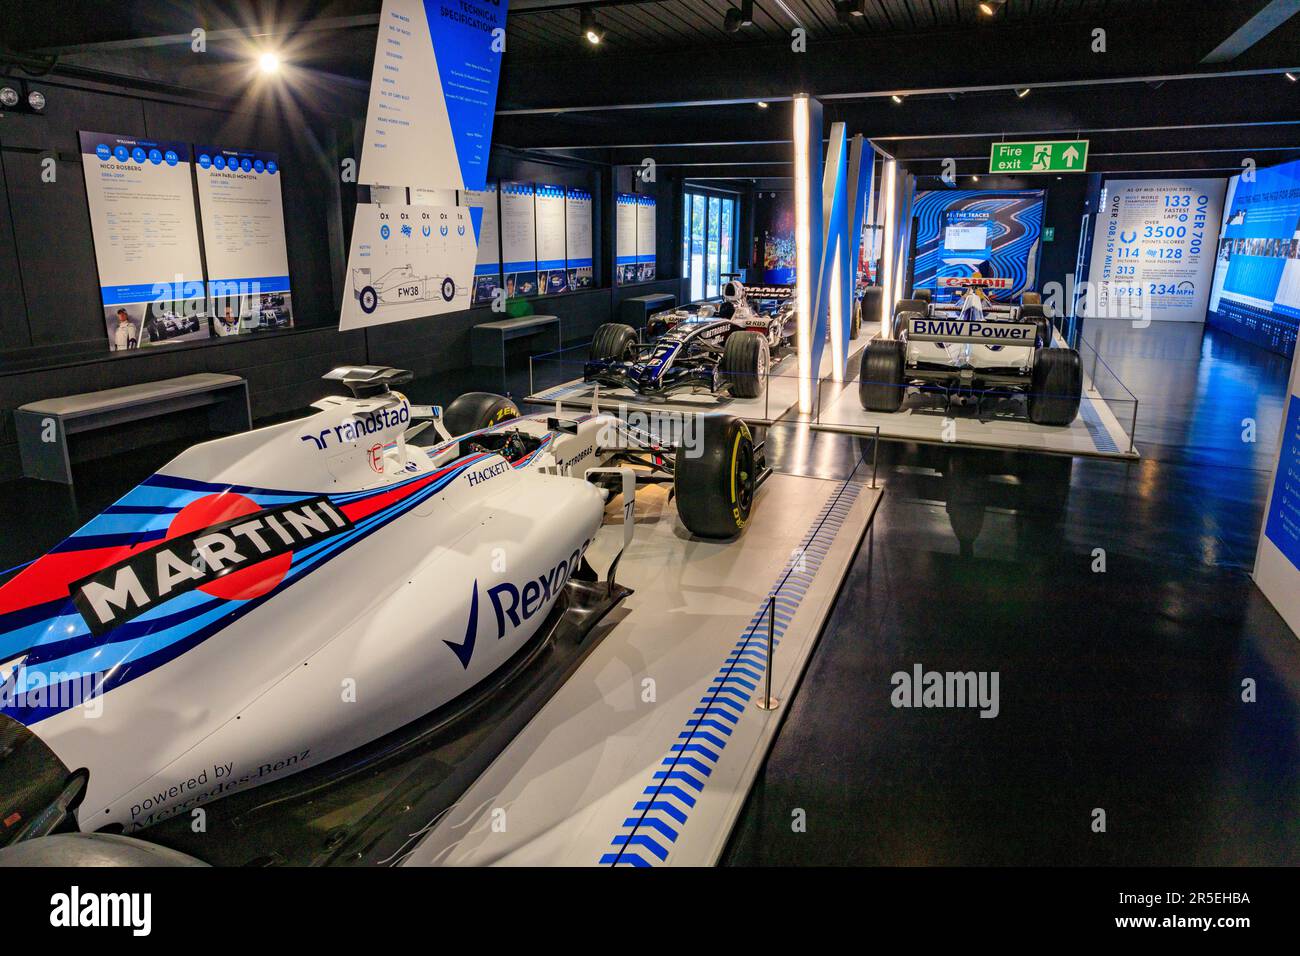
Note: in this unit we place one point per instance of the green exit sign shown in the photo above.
(1065, 156)
(1049, 233)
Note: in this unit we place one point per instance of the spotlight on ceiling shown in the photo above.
(1022, 93)
(846, 10)
(990, 7)
(737, 18)
(590, 30)
(36, 100)
(8, 97)
(1290, 76)
(762, 105)
(896, 98)
(974, 179)
(269, 62)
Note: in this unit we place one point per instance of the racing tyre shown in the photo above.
(714, 484)
(475, 410)
(448, 289)
(1056, 387)
(855, 321)
(1031, 298)
(923, 295)
(613, 343)
(871, 297)
(881, 385)
(744, 364)
(901, 320)
(369, 299)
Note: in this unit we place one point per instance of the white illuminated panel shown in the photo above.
(802, 251)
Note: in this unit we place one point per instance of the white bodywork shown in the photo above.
(358, 646)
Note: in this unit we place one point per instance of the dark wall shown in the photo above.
(52, 338)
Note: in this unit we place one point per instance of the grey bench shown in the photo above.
(488, 339)
(43, 427)
(637, 310)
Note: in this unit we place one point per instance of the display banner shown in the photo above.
(408, 262)
(645, 238)
(433, 93)
(577, 244)
(1153, 249)
(552, 271)
(1256, 289)
(243, 239)
(1277, 559)
(518, 238)
(625, 238)
(994, 232)
(487, 270)
(146, 234)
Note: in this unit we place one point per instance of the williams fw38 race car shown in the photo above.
(724, 349)
(973, 352)
(197, 637)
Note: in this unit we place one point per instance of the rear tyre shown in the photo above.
(923, 295)
(476, 410)
(714, 484)
(744, 364)
(901, 320)
(1031, 298)
(613, 342)
(1056, 387)
(881, 385)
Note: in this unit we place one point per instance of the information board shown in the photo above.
(487, 268)
(1153, 249)
(552, 271)
(433, 94)
(518, 238)
(625, 238)
(645, 238)
(407, 262)
(243, 239)
(577, 246)
(146, 234)
(1277, 559)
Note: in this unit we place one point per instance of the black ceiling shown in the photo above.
(668, 81)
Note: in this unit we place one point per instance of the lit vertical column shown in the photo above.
(887, 247)
(803, 253)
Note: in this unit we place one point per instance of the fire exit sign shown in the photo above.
(1065, 156)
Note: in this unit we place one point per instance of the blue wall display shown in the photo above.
(1256, 288)
(995, 232)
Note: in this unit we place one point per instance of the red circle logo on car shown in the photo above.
(246, 583)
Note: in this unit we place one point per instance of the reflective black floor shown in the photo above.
(1119, 690)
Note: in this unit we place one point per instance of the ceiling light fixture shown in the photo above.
(269, 62)
(1290, 76)
(846, 10)
(762, 105)
(896, 98)
(737, 18)
(991, 7)
(8, 97)
(36, 100)
(590, 30)
(1022, 93)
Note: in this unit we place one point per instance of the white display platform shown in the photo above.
(776, 402)
(645, 756)
(1095, 433)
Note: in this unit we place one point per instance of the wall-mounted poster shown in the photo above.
(577, 226)
(1153, 249)
(1256, 288)
(518, 239)
(407, 262)
(645, 238)
(774, 225)
(243, 239)
(625, 238)
(487, 270)
(994, 232)
(433, 94)
(141, 198)
(552, 274)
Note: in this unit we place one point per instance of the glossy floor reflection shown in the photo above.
(1119, 690)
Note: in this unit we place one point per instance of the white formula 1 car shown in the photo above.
(270, 600)
(973, 352)
(400, 285)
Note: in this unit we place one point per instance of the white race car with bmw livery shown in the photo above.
(274, 599)
(973, 352)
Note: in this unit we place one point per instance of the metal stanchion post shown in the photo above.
(875, 456)
(531, 390)
(769, 702)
